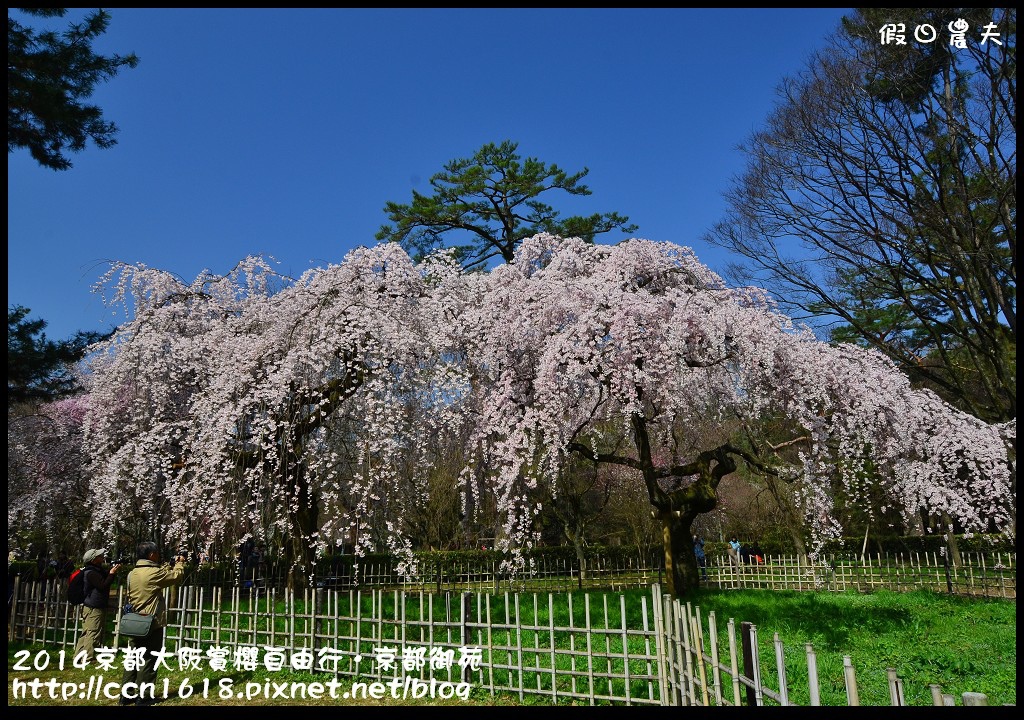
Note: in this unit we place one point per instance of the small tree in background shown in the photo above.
(39, 369)
(489, 203)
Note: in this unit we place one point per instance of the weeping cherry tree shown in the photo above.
(282, 404)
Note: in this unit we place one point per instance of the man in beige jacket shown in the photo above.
(145, 586)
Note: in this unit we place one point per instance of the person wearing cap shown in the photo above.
(97, 580)
(145, 593)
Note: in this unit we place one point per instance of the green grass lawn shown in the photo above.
(960, 644)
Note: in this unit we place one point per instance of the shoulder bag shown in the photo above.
(131, 623)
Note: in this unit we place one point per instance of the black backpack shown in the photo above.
(76, 587)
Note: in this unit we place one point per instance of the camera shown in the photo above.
(181, 553)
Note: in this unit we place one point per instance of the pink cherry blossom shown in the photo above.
(256, 402)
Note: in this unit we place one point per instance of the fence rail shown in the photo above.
(579, 648)
(992, 574)
(978, 575)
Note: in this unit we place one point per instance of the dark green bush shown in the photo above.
(451, 562)
(27, 569)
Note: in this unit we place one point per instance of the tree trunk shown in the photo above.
(305, 521)
(682, 575)
(302, 557)
(577, 543)
(954, 548)
(789, 519)
(675, 510)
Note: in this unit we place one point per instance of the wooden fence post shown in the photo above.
(940, 698)
(748, 660)
(945, 562)
(12, 608)
(465, 631)
(813, 687)
(895, 688)
(852, 699)
(318, 612)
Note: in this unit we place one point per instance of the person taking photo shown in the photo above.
(96, 580)
(144, 592)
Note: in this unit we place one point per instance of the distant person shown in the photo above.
(144, 591)
(97, 580)
(734, 551)
(65, 567)
(255, 557)
(755, 553)
(702, 559)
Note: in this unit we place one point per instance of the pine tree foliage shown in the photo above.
(50, 76)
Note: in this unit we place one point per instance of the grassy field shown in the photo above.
(960, 644)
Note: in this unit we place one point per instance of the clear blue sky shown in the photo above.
(284, 132)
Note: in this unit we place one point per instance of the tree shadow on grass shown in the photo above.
(830, 618)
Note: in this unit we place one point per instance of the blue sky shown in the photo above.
(284, 132)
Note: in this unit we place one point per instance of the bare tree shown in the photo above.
(880, 199)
